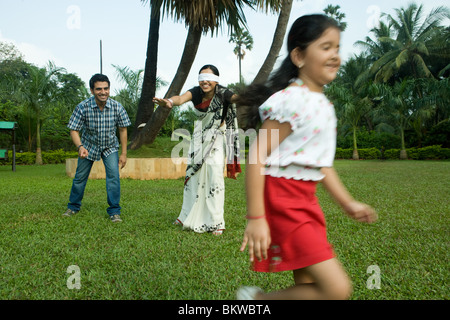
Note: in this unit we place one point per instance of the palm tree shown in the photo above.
(130, 95)
(146, 105)
(411, 45)
(200, 16)
(284, 8)
(400, 107)
(241, 39)
(352, 102)
(36, 93)
(333, 12)
(376, 48)
(349, 108)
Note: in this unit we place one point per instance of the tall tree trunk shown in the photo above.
(146, 105)
(355, 155)
(240, 63)
(277, 42)
(38, 140)
(29, 133)
(148, 134)
(187, 59)
(403, 153)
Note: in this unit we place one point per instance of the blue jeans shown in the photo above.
(112, 183)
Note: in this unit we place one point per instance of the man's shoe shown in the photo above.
(69, 213)
(116, 218)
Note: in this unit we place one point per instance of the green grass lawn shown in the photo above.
(146, 257)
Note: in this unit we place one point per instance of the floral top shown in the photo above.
(312, 143)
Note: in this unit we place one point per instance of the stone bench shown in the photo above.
(137, 168)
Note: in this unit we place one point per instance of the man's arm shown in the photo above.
(82, 151)
(123, 141)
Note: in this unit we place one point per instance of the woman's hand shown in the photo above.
(163, 102)
(257, 236)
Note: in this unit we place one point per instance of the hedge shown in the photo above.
(48, 157)
(426, 153)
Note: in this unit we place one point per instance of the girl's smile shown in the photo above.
(321, 60)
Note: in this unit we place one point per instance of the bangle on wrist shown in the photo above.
(254, 217)
(171, 101)
(80, 147)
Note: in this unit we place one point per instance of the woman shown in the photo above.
(215, 137)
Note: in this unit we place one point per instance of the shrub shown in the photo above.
(343, 153)
(369, 139)
(369, 154)
(392, 154)
(426, 153)
(48, 157)
(439, 135)
(433, 152)
(57, 156)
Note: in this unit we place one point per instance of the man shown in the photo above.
(98, 117)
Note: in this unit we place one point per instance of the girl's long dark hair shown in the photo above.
(304, 30)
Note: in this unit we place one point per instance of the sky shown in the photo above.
(68, 33)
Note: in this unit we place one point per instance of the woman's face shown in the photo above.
(207, 86)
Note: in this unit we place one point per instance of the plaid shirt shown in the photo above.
(99, 127)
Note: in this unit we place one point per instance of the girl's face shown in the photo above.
(320, 61)
(207, 86)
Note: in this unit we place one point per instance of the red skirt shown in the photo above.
(297, 226)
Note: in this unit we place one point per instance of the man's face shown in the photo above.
(101, 91)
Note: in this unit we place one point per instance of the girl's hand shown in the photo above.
(361, 212)
(257, 236)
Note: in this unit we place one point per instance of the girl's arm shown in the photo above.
(257, 234)
(174, 101)
(357, 210)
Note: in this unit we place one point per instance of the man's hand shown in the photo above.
(82, 152)
(122, 161)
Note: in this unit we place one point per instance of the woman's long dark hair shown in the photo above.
(210, 67)
(304, 30)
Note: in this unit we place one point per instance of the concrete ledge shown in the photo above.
(137, 168)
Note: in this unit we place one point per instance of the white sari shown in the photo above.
(204, 190)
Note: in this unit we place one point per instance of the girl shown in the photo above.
(286, 227)
(204, 190)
